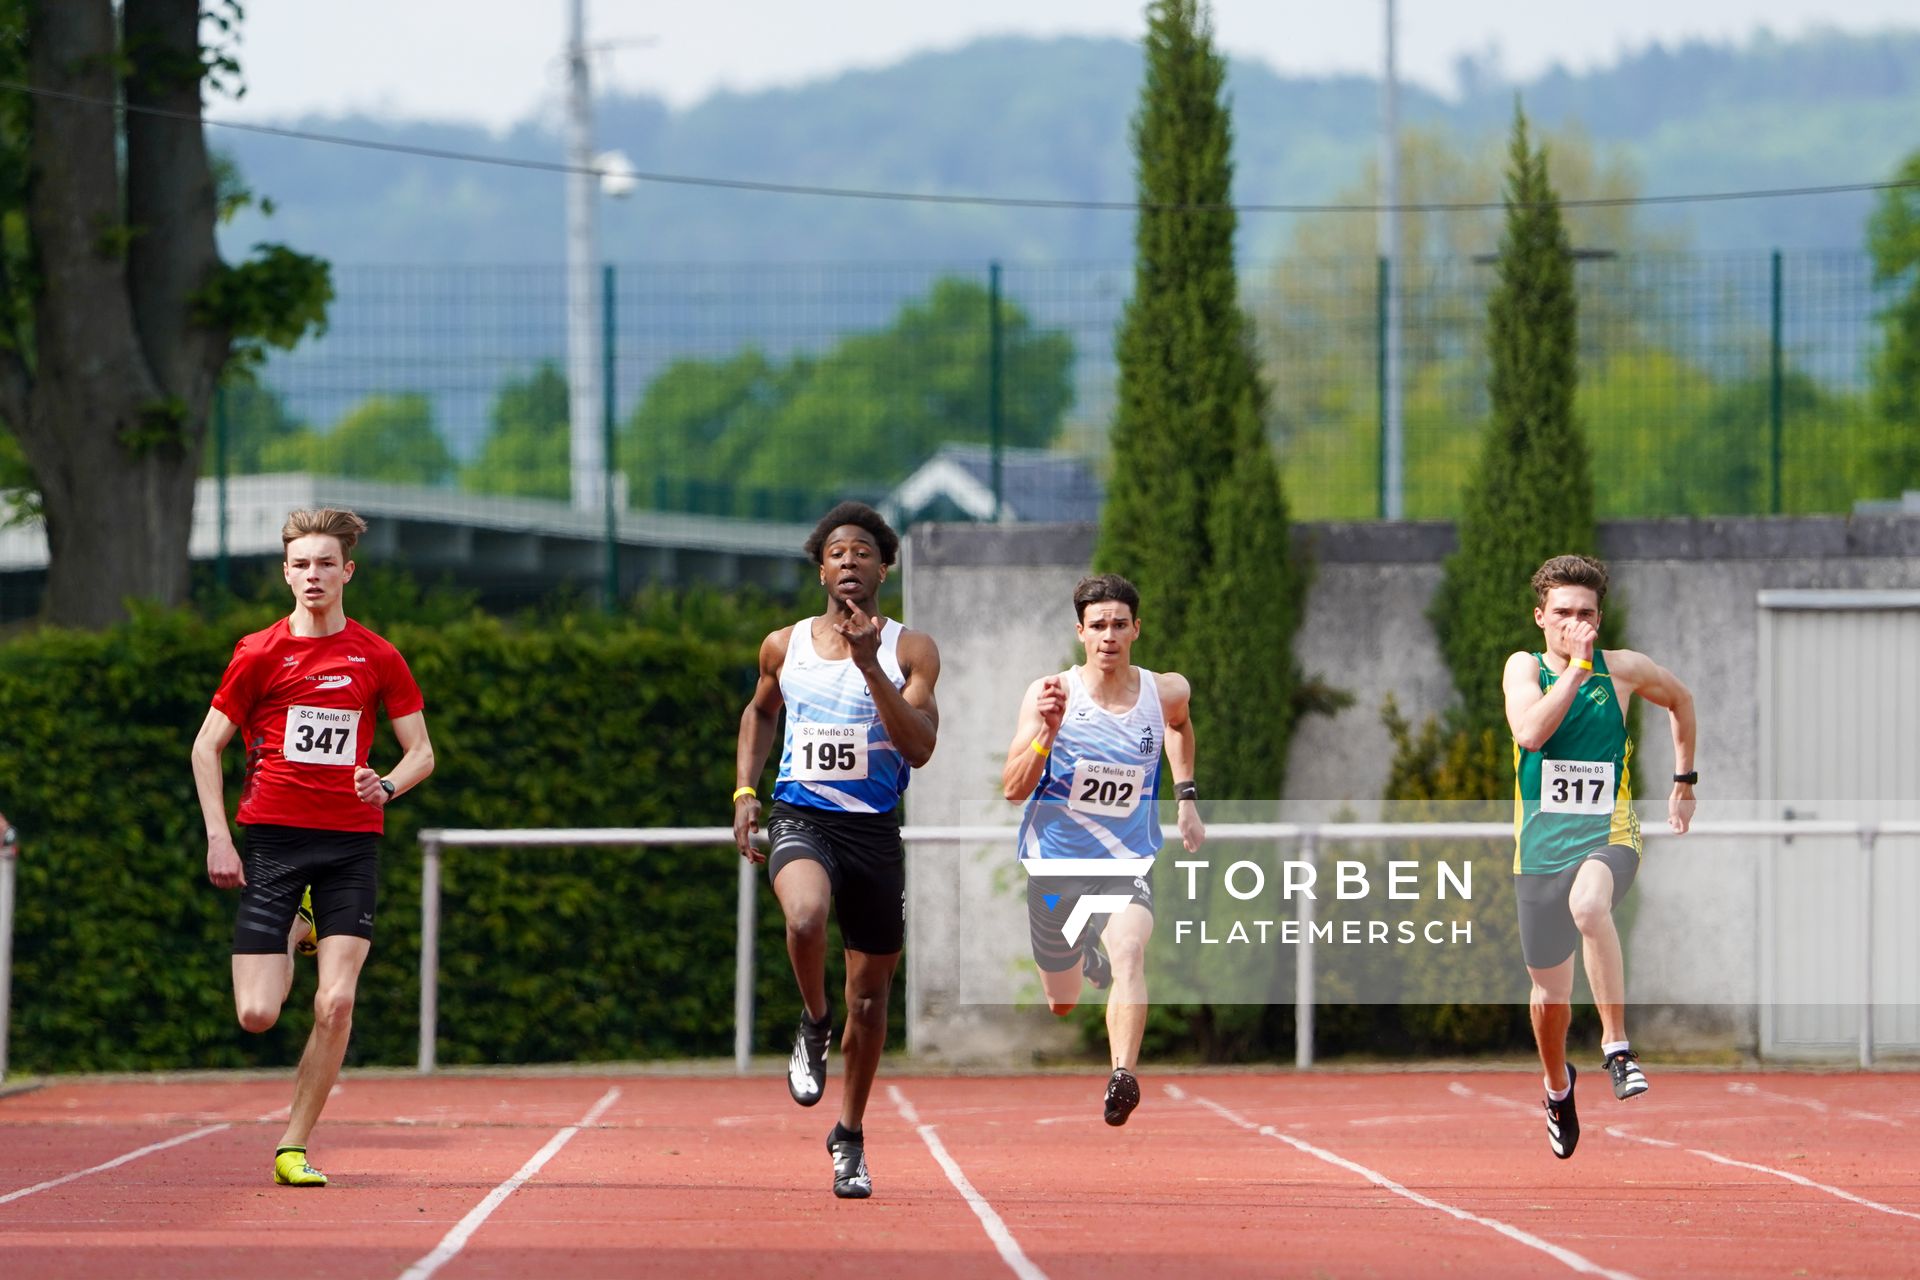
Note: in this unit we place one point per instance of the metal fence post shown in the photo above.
(1383, 281)
(7, 860)
(222, 566)
(995, 414)
(1303, 986)
(608, 469)
(1776, 388)
(743, 924)
(1867, 836)
(429, 951)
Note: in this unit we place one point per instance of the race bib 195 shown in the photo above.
(1576, 786)
(320, 735)
(1106, 788)
(829, 752)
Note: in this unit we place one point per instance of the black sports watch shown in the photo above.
(387, 787)
(9, 835)
(1691, 777)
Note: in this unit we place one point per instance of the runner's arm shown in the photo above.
(1033, 733)
(756, 739)
(1532, 715)
(1662, 688)
(416, 762)
(911, 716)
(1176, 704)
(223, 860)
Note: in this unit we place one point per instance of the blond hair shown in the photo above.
(1570, 571)
(334, 522)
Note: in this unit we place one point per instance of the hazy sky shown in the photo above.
(497, 62)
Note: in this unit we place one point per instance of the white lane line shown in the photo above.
(1798, 1179)
(1558, 1253)
(1814, 1105)
(1009, 1248)
(114, 1163)
(456, 1239)
(1616, 1131)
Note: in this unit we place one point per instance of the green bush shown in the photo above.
(121, 951)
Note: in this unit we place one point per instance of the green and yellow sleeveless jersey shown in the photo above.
(1575, 793)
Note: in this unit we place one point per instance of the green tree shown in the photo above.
(527, 449)
(117, 314)
(1531, 496)
(1194, 512)
(384, 437)
(1319, 316)
(858, 417)
(258, 427)
(1893, 238)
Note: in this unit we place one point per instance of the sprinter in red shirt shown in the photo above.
(303, 694)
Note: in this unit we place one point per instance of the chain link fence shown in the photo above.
(1710, 384)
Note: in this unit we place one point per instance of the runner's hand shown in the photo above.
(1680, 808)
(746, 821)
(366, 785)
(1192, 830)
(1580, 637)
(223, 863)
(1052, 702)
(863, 636)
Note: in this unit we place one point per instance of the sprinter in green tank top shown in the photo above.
(1576, 838)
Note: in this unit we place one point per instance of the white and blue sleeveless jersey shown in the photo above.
(1099, 796)
(836, 753)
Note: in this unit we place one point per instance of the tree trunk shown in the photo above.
(116, 406)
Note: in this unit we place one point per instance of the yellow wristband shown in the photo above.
(1583, 663)
(1040, 750)
(743, 791)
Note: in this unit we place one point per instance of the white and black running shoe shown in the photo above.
(851, 1181)
(1123, 1095)
(1628, 1080)
(1563, 1122)
(807, 1068)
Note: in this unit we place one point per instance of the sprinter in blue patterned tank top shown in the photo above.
(1086, 760)
(860, 715)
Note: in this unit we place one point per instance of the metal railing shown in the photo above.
(1310, 837)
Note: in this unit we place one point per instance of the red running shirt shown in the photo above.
(305, 708)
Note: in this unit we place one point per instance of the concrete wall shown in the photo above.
(997, 599)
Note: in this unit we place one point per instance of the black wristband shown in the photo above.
(1691, 777)
(1186, 791)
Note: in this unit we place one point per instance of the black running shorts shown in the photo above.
(1547, 932)
(864, 861)
(1051, 900)
(281, 862)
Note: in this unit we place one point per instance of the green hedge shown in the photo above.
(121, 949)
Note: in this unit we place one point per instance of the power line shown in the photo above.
(936, 198)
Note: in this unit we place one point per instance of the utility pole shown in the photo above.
(587, 460)
(1393, 444)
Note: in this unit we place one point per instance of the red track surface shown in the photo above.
(1330, 1174)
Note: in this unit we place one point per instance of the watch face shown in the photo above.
(9, 837)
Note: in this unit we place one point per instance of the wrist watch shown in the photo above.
(387, 787)
(9, 836)
(1691, 777)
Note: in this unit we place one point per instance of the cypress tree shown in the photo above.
(1531, 494)
(1194, 514)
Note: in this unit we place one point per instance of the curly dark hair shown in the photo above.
(854, 513)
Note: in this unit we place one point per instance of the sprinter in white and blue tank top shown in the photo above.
(860, 716)
(1086, 760)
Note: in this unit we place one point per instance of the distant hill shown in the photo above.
(1050, 118)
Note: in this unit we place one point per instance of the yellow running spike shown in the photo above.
(309, 945)
(290, 1169)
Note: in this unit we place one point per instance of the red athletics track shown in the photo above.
(1330, 1174)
